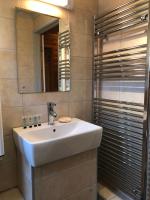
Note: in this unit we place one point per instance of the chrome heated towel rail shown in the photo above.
(121, 97)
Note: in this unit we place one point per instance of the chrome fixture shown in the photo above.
(51, 113)
(124, 155)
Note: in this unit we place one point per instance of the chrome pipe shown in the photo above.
(103, 28)
(124, 49)
(126, 9)
(122, 17)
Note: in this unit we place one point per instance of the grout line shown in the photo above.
(8, 18)
(10, 50)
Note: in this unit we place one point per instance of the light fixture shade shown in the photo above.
(62, 3)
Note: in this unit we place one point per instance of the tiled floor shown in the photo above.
(107, 194)
(12, 194)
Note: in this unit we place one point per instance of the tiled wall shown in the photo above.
(76, 103)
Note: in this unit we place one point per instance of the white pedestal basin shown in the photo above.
(45, 144)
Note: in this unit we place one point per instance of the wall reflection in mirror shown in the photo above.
(43, 53)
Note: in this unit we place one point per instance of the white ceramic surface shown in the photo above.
(45, 144)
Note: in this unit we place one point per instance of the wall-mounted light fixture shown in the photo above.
(62, 3)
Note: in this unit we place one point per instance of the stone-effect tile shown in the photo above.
(8, 175)
(90, 6)
(9, 93)
(105, 193)
(81, 109)
(62, 109)
(87, 109)
(76, 109)
(12, 194)
(36, 110)
(81, 45)
(10, 149)
(7, 29)
(43, 98)
(7, 8)
(81, 90)
(81, 22)
(57, 97)
(12, 117)
(8, 65)
(81, 68)
(87, 194)
(34, 99)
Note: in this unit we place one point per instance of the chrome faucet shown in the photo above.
(51, 113)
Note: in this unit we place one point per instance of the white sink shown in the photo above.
(45, 144)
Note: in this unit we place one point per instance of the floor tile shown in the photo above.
(12, 194)
(106, 194)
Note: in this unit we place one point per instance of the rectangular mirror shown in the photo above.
(43, 53)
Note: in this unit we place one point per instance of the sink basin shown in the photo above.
(48, 143)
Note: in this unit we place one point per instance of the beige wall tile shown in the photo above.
(34, 99)
(81, 22)
(77, 90)
(12, 117)
(36, 110)
(81, 90)
(90, 6)
(8, 65)
(88, 90)
(9, 92)
(81, 68)
(81, 110)
(43, 98)
(57, 97)
(62, 109)
(8, 175)
(7, 34)
(76, 109)
(81, 45)
(10, 149)
(7, 8)
(87, 110)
